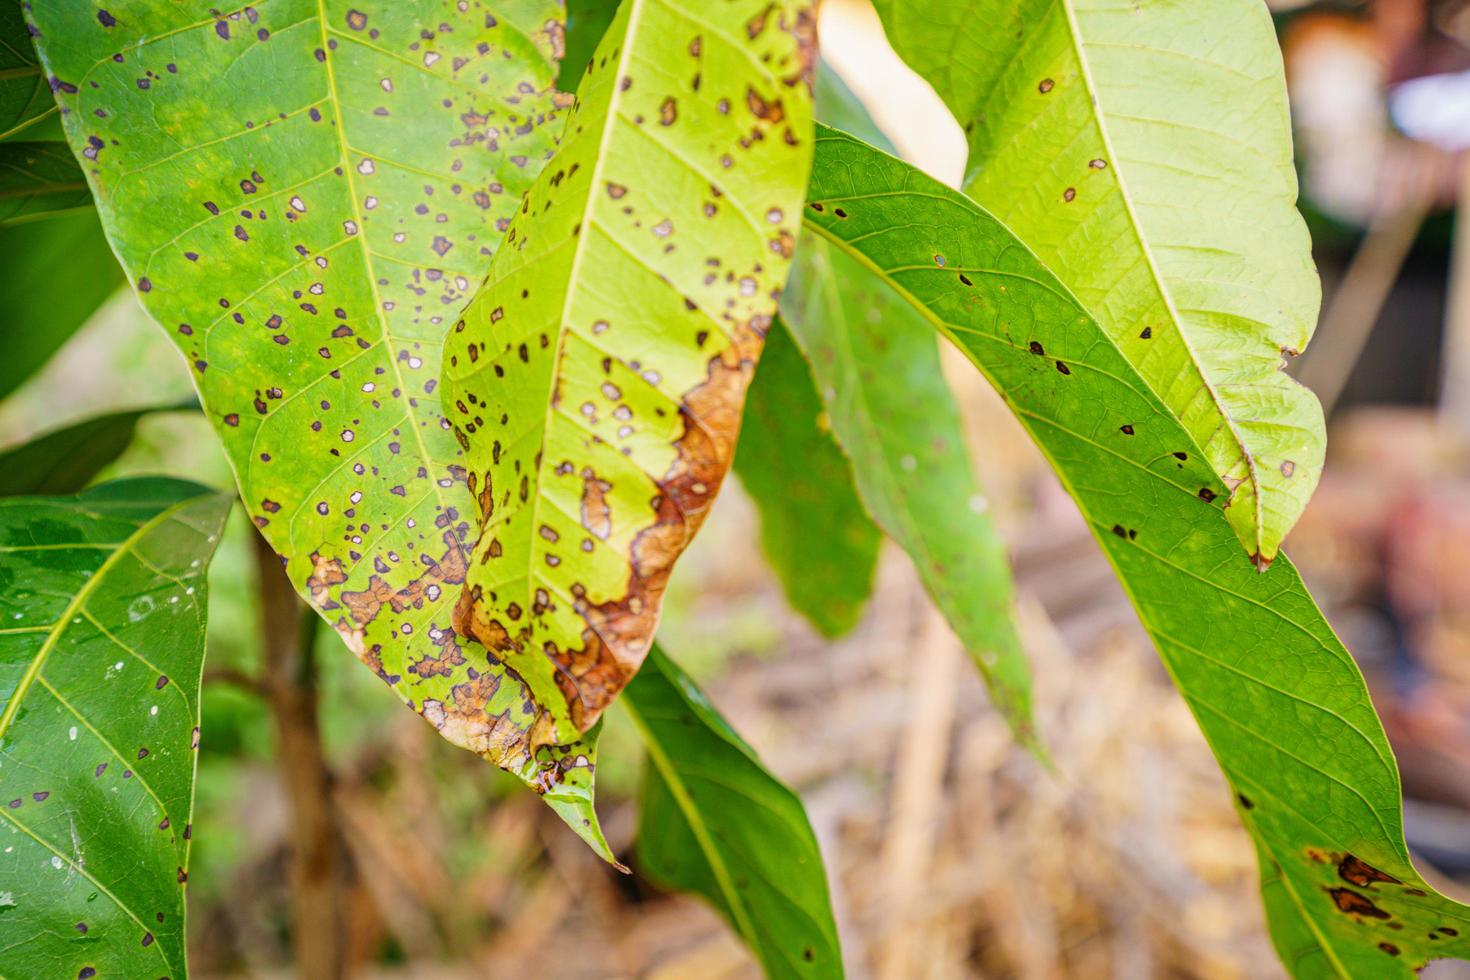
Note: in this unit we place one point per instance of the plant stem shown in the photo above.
(289, 684)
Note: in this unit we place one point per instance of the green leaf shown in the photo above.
(55, 275)
(587, 22)
(597, 380)
(101, 648)
(876, 361)
(38, 180)
(306, 240)
(26, 106)
(814, 530)
(713, 821)
(1280, 701)
(64, 460)
(1143, 150)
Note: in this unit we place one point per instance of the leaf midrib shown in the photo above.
(77, 601)
(1074, 34)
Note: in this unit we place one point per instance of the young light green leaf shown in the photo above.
(39, 179)
(65, 460)
(1278, 698)
(101, 649)
(55, 275)
(314, 200)
(716, 823)
(26, 106)
(814, 530)
(876, 362)
(1144, 152)
(597, 381)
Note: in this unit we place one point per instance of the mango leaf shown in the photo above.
(814, 530)
(597, 381)
(101, 649)
(1280, 701)
(587, 22)
(307, 243)
(1143, 150)
(876, 363)
(39, 179)
(26, 105)
(713, 821)
(48, 306)
(65, 460)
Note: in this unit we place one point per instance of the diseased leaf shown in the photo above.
(26, 106)
(1143, 150)
(101, 650)
(65, 460)
(597, 380)
(1280, 701)
(315, 197)
(587, 22)
(39, 179)
(713, 821)
(814, 530)
(55, 275)
(876, 361)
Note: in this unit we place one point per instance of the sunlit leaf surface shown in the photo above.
(1279, 699)
(102, 615)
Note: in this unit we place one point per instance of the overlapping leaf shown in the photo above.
(814, 530)
(598, 379)
(1143, 150)
(102, 608)
(305, 193)
(1281, 702)
(876, 363)
(26, 106)
(713, 821)
(39, 179)
(65, 460)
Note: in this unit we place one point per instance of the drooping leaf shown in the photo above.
(26, 106)
(39, 179)
(65, 460)
(311, 197)
(55, 275)
(814, 530)
(1279, 699)
(101, 650)
(1143, 150)
(876, 362)
(597, 380)
(587, 21)
(714, 822)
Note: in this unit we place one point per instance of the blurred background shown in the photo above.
(952, 853)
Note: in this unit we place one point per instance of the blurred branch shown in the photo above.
(289, 630)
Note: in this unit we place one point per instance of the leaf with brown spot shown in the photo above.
(613, 380)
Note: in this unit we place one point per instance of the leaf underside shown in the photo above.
(1143, 151)
(876, 361)
(102, 615)
(597, 380)
(1279, 699)
(312, 196)
(713, 821)
(814, 530)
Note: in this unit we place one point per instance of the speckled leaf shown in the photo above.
(814, 530)
(1143, 150)
(1281, 702)
(305, 194)
(101, 648)
(65, 460)
(876, 361)
(45, 308)
(713, 821)
(39, 179)
(598, 378)
(26, 105)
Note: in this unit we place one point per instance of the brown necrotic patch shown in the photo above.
(1356, 871)
(1354, 903)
